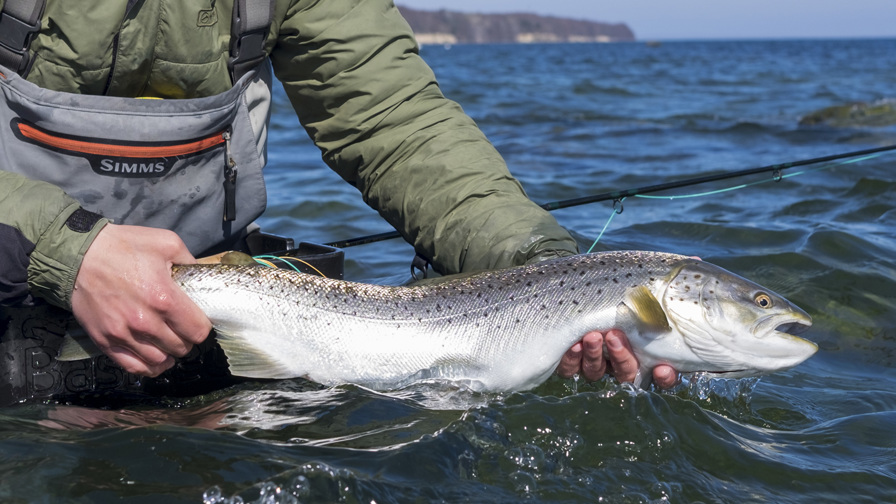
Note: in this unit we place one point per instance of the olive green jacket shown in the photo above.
(353, 74)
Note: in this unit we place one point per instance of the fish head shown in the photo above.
(737, 327)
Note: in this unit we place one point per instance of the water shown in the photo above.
(571, 120)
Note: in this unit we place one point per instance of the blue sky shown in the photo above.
(684, 19)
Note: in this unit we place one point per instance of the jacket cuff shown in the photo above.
(58, 254)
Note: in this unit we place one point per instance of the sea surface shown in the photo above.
(571, 121)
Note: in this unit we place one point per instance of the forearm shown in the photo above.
(376, 112)
(51, 233)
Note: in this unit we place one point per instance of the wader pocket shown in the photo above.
(169, 164)
(138, 159)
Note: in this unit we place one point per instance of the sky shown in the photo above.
(702, 19)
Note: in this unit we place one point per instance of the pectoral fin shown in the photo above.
(644, 378)
(77, 345)
(646, 310)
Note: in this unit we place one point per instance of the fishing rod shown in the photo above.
(777, 169)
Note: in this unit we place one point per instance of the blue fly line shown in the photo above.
(617, 203)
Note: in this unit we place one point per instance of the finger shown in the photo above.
(181, 315)
(571, 361)
(135, 364)
(665, 376)
(185, 319)
(149, 337)
(624, 362)
(174, 248)
(164, 340)
(594, 365)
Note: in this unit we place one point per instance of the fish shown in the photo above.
(495, 331)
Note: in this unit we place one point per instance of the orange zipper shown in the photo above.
(127, 151)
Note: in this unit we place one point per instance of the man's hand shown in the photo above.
(125, 299)
(586, 358)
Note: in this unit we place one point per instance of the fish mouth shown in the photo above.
(780, 346)
(782, 324)
(794, 327)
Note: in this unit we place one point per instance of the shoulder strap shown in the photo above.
(248, 31)
(19, 21)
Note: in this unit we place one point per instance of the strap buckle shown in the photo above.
(246, 52)
(18, 33)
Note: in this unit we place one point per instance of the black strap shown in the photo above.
(248, 31)
(19, 21)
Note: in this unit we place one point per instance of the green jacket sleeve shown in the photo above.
(47, 218)
(354, 76)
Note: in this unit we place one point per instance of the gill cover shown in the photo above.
(732, 323)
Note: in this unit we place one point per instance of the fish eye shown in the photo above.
(763, 300)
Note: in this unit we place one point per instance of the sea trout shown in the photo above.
(502, 330)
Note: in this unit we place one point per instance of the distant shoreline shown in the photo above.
(663, 41)
(446, 27)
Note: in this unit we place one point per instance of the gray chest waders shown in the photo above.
(193, 166)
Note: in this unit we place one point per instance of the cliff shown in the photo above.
(448, 27)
